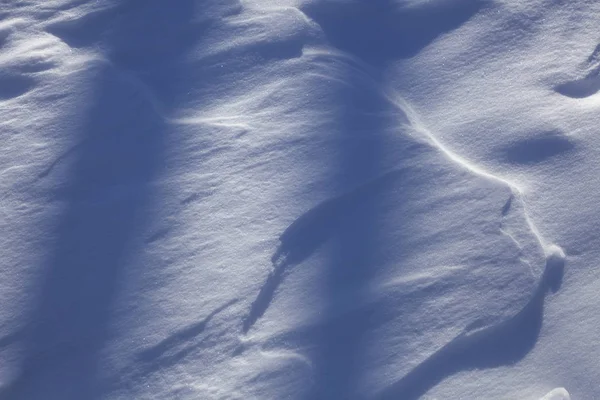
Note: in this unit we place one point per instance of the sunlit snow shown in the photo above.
(299, 199)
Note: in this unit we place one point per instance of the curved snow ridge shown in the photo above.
(518, 192)
(410, 120)
(557, 394)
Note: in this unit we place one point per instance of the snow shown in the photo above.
(299, 199)
(557, 394)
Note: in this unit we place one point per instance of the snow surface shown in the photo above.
(557, 394)
(299, 199)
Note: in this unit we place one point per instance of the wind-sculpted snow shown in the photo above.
(503, 343)
(300, 199)
(363, 249)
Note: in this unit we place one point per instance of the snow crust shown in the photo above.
(299, 199)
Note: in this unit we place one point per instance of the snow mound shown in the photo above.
(555, 264)
(555, 255)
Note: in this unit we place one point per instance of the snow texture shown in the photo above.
(299, 199)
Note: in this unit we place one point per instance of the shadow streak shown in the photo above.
(107, 193)
(503, 344)
(173, 349)
(182, 336)
(311, 231)
(106, 202)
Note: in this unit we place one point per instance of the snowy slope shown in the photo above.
(324, 199)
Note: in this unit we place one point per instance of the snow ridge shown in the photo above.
(518, 192)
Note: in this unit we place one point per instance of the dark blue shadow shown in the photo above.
(107, 197)
(13, 85)
(539, 148)
(104, 201)
(580, 88)
(379, 31)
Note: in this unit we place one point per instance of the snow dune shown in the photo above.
(324, 199)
